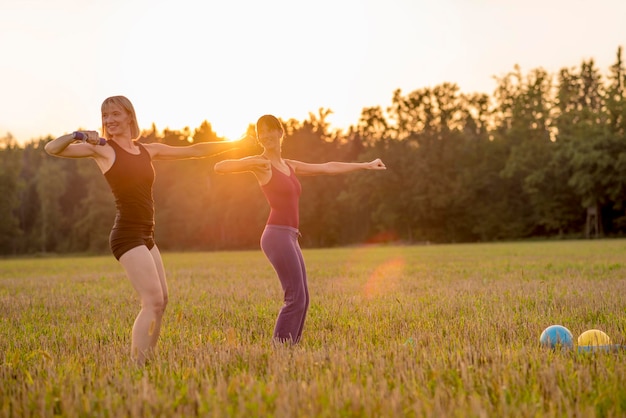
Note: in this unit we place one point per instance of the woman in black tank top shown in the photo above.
(127, 167)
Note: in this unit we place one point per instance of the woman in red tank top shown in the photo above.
(127, 167)
(279, 241)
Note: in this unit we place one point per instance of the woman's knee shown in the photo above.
(156, 302)
(297, 301)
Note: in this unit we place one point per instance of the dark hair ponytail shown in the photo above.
(270, 122)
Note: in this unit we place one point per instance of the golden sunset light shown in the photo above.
(184, 62)
(331, 208)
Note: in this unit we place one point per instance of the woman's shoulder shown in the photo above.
(294, 164)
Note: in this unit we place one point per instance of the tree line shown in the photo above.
(543, 156)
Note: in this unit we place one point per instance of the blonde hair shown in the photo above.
(125, 104)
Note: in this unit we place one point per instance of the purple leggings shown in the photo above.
(281, 247)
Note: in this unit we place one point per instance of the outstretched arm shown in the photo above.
(160, 151)
(261, 167)
(253, 163)
(334, 167)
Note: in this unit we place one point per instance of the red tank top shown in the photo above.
(283, 194)
(131, 178)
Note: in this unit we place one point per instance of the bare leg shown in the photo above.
(158, 262)
(145, 271)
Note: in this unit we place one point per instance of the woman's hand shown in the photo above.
(377, 164)
(260, 165)
(93, 137)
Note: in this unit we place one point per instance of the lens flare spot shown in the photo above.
(384, 278)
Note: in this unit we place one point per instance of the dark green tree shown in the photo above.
(586, 143)
(533, 162)
(94, 214)
(10, 188)
(616, 108)
(521, 118)
(50, 185)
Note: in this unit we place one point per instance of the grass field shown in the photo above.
(392, 331)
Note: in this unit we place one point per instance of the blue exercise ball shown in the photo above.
(557, 336)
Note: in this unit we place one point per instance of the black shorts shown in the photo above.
(124, 239)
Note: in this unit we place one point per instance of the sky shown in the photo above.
(182, 62)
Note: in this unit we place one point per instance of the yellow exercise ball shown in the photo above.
(593, 338)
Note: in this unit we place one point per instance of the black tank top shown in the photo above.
(131, 178)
